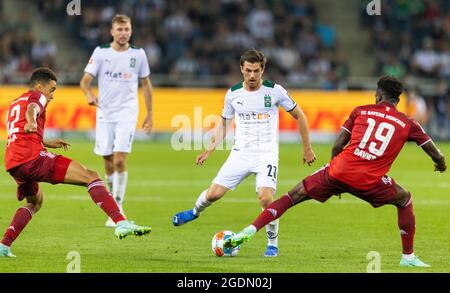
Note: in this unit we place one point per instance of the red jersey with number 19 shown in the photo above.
(378, 133)
(21, 146)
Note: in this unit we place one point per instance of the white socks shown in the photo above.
(272, 233)
(119, 187)
(251, 228)
(408, 256)
(109, 181)
(201, 203)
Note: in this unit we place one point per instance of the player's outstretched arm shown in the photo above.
(216, 139)
(56, 144)
(341, 141)
(85, 85)
(308, 154)
(31, 114)
(436, 155)
(147, 90)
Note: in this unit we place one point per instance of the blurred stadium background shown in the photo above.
(327, 53)
(311, 44)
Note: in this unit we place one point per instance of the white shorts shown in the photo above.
(112, 137)
(241, 164)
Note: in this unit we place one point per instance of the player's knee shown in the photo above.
(35, 202)
(38, 205)
(265, 200)
(213, 196)
(119, 163)
(402, 198)
(298, 193)
(92, 175)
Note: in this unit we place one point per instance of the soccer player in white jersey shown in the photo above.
(253, 104)
(120, 67)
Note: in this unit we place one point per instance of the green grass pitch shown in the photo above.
(331, 237)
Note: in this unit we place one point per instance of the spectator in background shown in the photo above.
(260, 22)
(426, 61)
(442, 116)
(216, 31)
(394, 67)
(417, 106)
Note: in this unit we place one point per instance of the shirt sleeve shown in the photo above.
(285, 100)
(94, 63)
(348, 124)
(144, 70)
(228, 110)
(38, 99)
(417, 134)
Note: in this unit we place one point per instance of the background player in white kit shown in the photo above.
(253, 104)
(120, 66)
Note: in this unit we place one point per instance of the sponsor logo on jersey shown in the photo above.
(267, 101)
(132, 62)
(254, 116)
(124, 76)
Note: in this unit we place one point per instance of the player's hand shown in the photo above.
(57, 143)
(148, 124)
(93, 101)
(440, 168)
(309, 157)
(30, 127)
(200, 160)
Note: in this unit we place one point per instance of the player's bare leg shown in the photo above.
(204, 200)
(407, 226)
(109, 170)
(265, 195)
(274, 211)
(78, 174)
(20, 220)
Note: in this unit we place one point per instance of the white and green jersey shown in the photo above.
(256, 115)
(118, 81)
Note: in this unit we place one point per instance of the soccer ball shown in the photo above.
(217, 244)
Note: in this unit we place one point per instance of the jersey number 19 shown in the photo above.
(380, 135)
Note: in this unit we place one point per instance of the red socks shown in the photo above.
(273, 211)
(99, 195)
(407, 225)
(103, 199)
(21, 218)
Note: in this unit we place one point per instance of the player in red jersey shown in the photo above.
(28, 162)
(363, 153)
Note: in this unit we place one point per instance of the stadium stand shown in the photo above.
(410, 40)
(189, 39)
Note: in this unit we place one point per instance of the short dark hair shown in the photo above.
(42, 74)
(254, 56)
(391, 88)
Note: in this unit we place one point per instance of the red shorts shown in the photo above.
(47, 167)
(321, 186)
